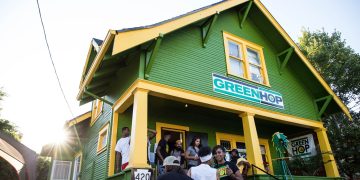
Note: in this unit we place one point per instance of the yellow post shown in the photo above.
(328, 158)
(138, 140)
(113, 143)
(253, 152)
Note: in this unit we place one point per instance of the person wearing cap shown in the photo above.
(243, 166)
(204, 171)
(173, 170)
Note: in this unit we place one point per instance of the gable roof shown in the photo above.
(139, 35)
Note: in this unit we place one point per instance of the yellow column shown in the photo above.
(253, 152)
(113, 143)
(138, 140)
(328, 158)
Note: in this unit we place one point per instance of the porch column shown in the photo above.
(253, 152)
(138, 140)
(328, 158)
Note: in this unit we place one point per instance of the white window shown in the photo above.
(77, 167)
(61, 170)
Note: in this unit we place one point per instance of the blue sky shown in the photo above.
(34, 101)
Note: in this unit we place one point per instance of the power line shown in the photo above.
(52, 62)
(57, 76)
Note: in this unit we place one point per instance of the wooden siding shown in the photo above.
(182, 62)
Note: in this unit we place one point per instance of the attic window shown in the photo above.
(245, 59)
(97, 106)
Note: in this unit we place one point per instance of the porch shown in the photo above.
(148, 105)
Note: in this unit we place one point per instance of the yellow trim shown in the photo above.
(86, 63)
(96, 63)
(104, 131)
(77, 155)
(172, 127)
(244, 45)
(302, 57)
(113, 140)
(97, 107)
(138, 140)
(328, 158)
(79, 119)
(182, 95)
(139, 36)
(238, 138)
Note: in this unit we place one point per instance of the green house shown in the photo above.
(228, 73)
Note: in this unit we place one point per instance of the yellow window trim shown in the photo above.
(103, 130)
(172, 127)
(97, 109)
(244, 45)
(237, 138)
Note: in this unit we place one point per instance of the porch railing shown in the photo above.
(253, 172)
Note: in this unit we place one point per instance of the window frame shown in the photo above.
(244, 45)
(54, 166)
(103, 130)
(78, 155)
(233, 138)
(97, 109)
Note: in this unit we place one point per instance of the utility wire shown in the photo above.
(57, 76)
(52, 62)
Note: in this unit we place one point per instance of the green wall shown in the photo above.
(94, 165)
(182, 62)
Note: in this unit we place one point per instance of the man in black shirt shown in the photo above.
(226, 169)
(173, 170)
(162, 151)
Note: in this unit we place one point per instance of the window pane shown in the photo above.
(253, 57)
(255, 73)
(234, 49)
(236, 67)
(225, 144)
(104, 140)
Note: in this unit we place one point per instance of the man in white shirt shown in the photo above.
(204, 171)
(122, 150)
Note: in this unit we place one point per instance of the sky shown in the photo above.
(34, 101)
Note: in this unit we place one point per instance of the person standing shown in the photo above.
(204, 171)
(122, 150)
(226, 169)
(173, 171)
(162, 151)
(191, 154)
(151, 135)
(178, 152)
(234, 156)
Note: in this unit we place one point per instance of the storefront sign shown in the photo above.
(303, 146)
(243, 90)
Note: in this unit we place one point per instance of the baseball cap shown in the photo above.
(171, 161)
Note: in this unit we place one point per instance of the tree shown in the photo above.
(339, 64)
(6, 126)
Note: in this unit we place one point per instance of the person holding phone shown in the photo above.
(226, 169)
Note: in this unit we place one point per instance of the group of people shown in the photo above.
(197, 162)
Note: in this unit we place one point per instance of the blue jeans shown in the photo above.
(161, 168)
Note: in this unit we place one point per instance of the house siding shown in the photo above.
(182, 62)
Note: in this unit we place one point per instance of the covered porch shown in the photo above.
(235, 126)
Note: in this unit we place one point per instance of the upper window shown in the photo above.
(102, 139)
(245, 59)
(96, 110)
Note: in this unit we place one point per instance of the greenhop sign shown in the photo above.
(242, 90)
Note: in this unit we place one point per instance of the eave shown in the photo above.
(137, 36)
